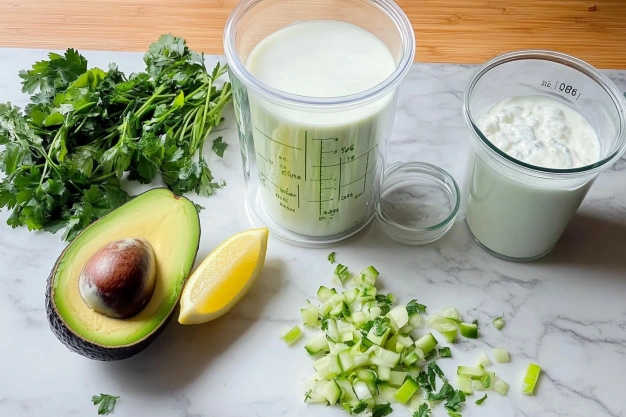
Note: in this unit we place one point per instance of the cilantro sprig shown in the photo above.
(105, 402)
(65, 154)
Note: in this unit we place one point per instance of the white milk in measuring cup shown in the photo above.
(317, 168)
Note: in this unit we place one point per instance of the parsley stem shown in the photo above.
(139, 114)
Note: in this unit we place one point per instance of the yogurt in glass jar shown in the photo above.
(536, 147)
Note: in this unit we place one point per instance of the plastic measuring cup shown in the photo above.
(515, 210)
(312, 165)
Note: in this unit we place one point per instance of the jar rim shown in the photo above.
(387, 7)
(563, 59)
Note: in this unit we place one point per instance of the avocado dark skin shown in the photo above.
(90, 348)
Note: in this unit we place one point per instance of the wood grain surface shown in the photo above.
(461, 31)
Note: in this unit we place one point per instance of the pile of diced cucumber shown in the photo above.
(367, 358)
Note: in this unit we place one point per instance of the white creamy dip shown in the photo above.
(318, 167)
(541, 131)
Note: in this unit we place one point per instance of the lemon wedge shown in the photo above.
(224, 277)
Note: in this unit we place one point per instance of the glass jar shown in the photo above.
(313, 165)
(515, 210)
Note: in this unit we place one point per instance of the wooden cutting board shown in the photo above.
(460, 31)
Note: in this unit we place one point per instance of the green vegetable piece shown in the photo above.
(407, 390)
(219, 146)
(445, 352)
(413, 307)
(331, 257)
(483, 360)
(307, 395)
(481, 400)
(342, 273)
(426, 343)
(469, 330)
(422, 411)
(464, 383)
(498, 323)
(454, 402)
(530, 379)
(485, 380)
(471, 371)
(291, 335)
(501, 355)
(500, 386)
(105, 402)
(381, 410)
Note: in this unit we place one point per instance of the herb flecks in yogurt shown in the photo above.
(541, 131)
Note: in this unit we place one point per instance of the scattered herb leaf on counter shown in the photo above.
(219, 146)
(331, 257)
(422, 411)
(64, 155)
(342, 273)
(105, 402)
(413, 307)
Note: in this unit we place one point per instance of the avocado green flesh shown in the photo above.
(171, 226)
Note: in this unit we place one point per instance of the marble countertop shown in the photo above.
(566, 312)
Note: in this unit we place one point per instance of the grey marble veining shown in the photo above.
(566, 312)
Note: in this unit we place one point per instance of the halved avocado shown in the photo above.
(171, 224)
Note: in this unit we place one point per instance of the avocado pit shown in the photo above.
(119, 278)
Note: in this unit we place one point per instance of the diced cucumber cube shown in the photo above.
(483, 360)
(396, 378)
(384, 373)
(317, 344)
(324, 293)
(309, 316)
(347, 393)
(426, 343)
(464, 384)
(291, 335)
(500, 386)
(501, 355)
(471, 371)
(346, 360)
(399, 315)
(331, 391)
(469, 330)
(406, 391)
(530, 379)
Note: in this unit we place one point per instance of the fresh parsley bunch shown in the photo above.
(64, 156)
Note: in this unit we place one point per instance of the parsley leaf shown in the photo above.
(365, 329)
(445, 391)
(384, 302)
(331, 257)
(481, 400)
(106, 403)
(359, 408)
(422, 411)
(435, 369)
(424, 381)
(381, 410)
(454, 401)
(413, 307)
(380, 325)
(219, 147)
(63, 156)
(345, 311)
